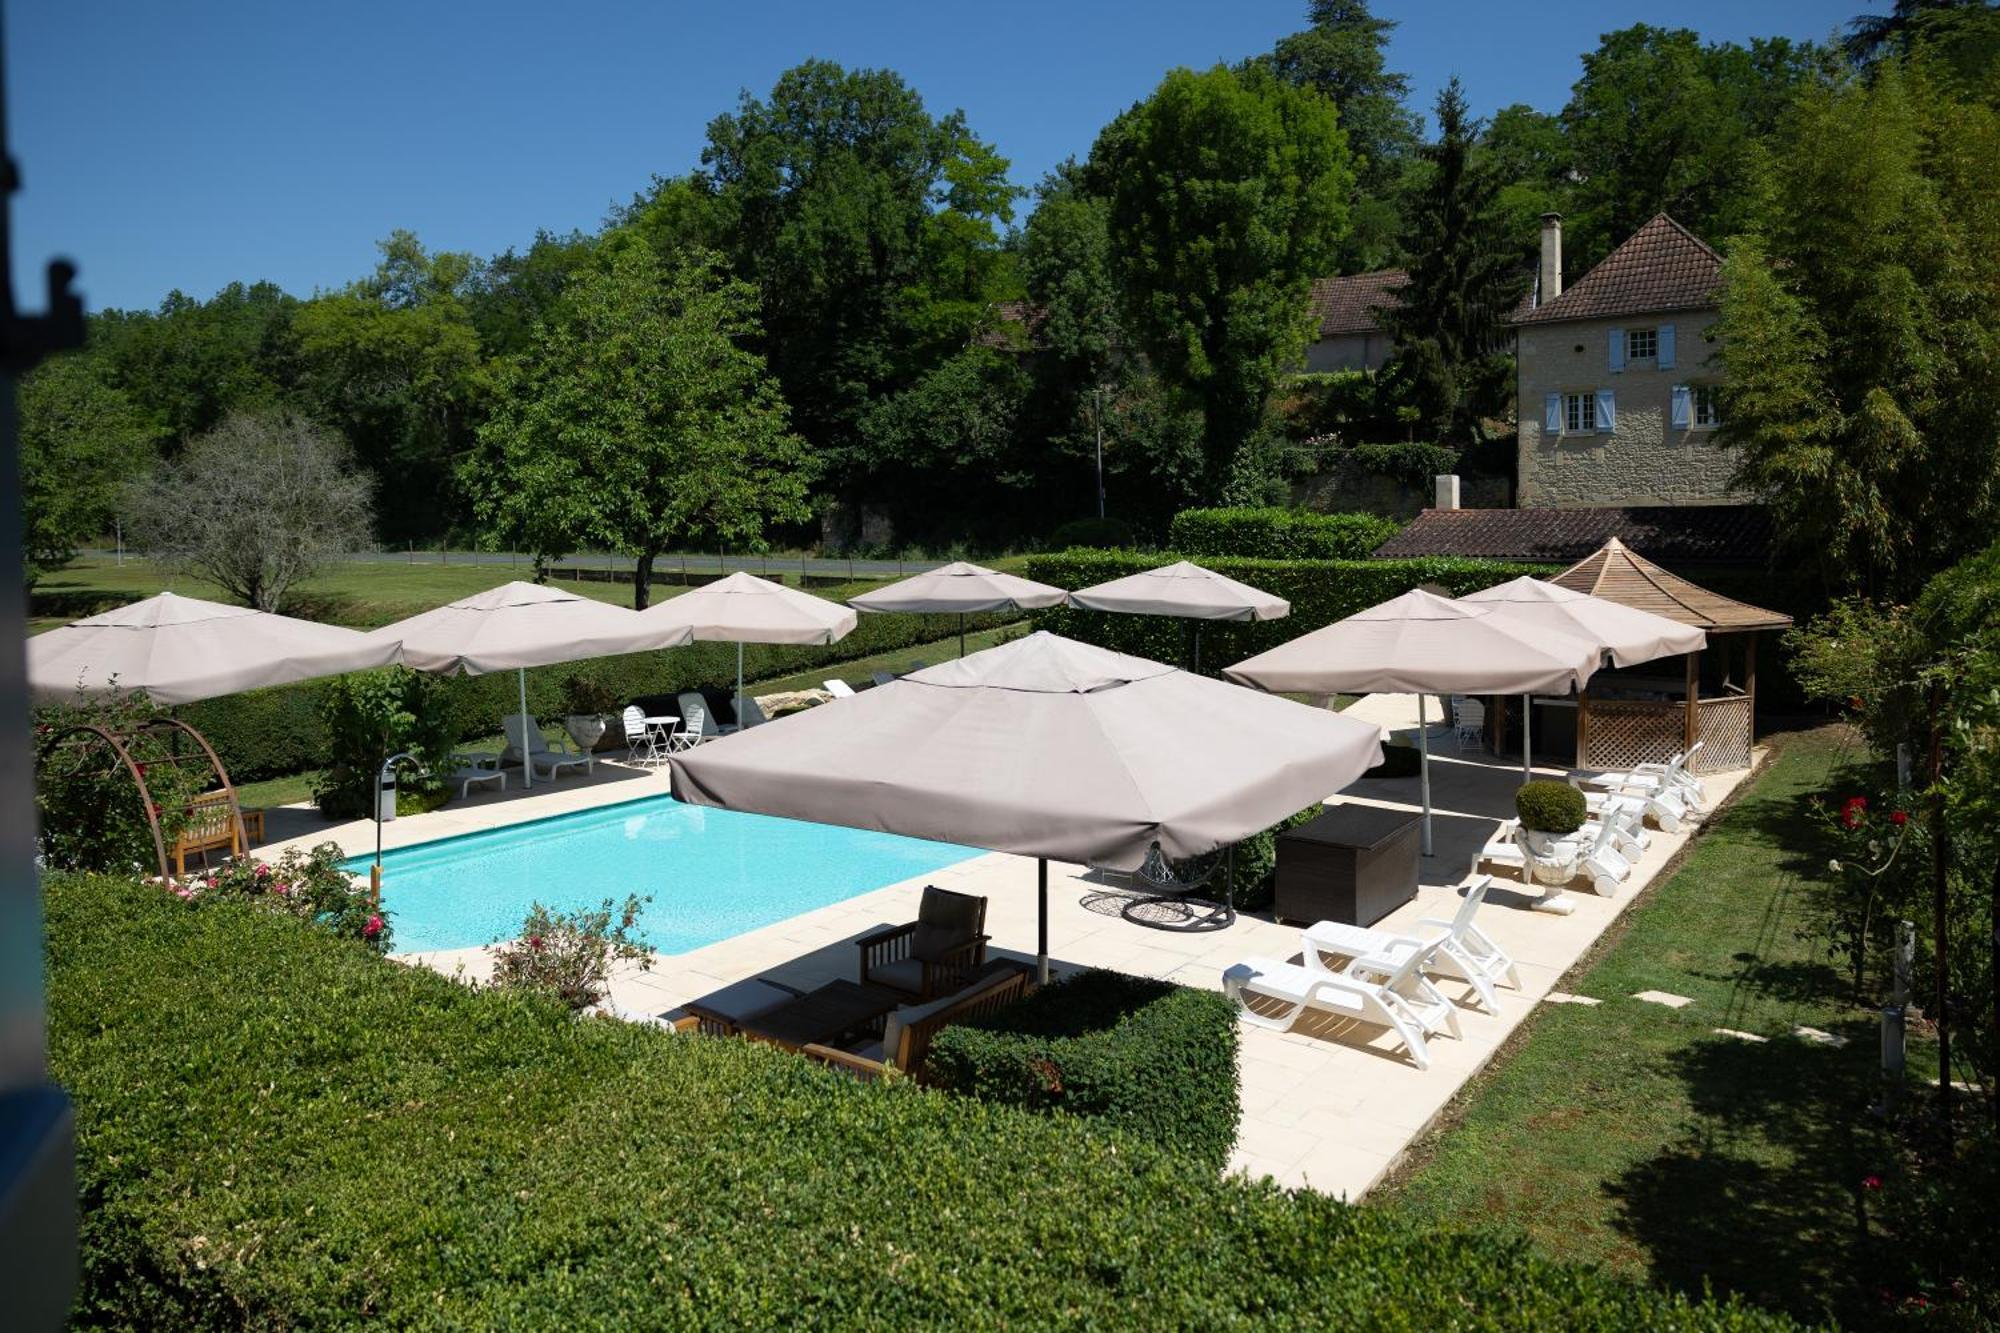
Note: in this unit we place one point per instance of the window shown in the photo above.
(1579, 413)
(1642, 344)
(1707, 410)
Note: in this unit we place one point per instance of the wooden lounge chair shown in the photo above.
(907, 1034)
(933, 955)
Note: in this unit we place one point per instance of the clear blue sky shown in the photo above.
(187, 145)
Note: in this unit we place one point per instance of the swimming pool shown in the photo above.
(710, 873)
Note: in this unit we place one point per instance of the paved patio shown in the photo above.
(1333, 1108)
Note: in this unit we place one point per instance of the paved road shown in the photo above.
(666, 565)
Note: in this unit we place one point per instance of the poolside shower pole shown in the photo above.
(1042, 956)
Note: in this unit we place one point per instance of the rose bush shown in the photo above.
(308, 885)
(568, 955)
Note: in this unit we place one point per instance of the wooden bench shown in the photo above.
(215, 824)
(907, 1043)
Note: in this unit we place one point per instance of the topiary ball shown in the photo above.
(1550, 807)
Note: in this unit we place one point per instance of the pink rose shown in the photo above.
(373, 929)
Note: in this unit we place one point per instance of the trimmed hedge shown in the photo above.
(269, 733)
(1320, 591)
(1279, 534)
(280, 1130)
(1150, 1058)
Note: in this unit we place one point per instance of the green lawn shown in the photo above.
(1634, 1136)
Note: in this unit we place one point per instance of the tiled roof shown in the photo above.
(1737, 534)
(1012, 320)
(1661, 266)
(1349, 305)
(1619, 574)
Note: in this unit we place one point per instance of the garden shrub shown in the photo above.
(1154, 1060)
(567, 956)
(277, 1129)
(1108, 532)
(1254, 865)
(1320, 591)
(1414, 465)
(1279, 534)
(370, 715)
(310, 886)
(1550, 807)
(91, 813)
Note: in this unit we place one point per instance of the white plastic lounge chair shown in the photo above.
(1459, 949)
(473, 769)
(534, 751)
(1594, 850)
(839, 689)
(1660, 780)
(1302, 988)
(1468, 718)
(698, 724)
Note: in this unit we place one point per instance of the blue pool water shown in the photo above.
(711, 874)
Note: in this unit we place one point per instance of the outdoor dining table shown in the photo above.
(825, 1015)
(668, 727)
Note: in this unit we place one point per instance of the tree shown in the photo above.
(1859, 332)
(1466, 272)
(191, 363)
(1525, 149)
(1660, 122)
(1961, 26)
(82, 441)
(260, 503)
(870, 230)
(1228, 193)
(392, 362)
(1342, 56)
(638, 419)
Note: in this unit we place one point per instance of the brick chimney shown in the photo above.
(1550, 284)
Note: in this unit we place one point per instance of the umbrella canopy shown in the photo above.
(180, 649)
(1042, 747)
(520, 625)
(962, 588)
(1630, 636)
(1182, 589)
(746, 609)
(1421, 644)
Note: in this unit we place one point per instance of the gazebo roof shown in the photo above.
(1620, 574)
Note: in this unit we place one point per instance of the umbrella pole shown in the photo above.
(739, 685)
(1527, 720)
(1197, 647)
(1424, 768)
(527, 754)
(961, 633)
(1042, 952)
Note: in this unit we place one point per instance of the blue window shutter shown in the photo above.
(1617, 350)
(1683, 407)
(1607, 411)
(1552, 414)
(1666, 334)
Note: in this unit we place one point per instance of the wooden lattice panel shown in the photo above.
(1624, 732)
(1723, 728)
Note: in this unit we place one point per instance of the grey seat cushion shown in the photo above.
(905, 974)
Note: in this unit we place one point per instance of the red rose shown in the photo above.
(1871, 1182)
(1854, 702)
(373, 929)
(1899, 817)
(534, 941)
(156, 809)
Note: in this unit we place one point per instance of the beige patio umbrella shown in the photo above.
(1043, 747)
(1628, 636)
(743, 608)
(961, 588)
(1184, 590)
(520, 625)
(180, 649)
(1421, 644)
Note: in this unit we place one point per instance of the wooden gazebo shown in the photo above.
(1650, 712)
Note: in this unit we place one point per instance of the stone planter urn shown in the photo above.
(586, 729)
(1552, 863)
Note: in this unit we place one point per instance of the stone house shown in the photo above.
(1347, 314)
(1616, 401)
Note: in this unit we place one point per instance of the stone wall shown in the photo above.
(1346, 486)
(1644, 459)
(1349, 351)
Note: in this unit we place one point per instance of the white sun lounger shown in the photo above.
(1671, 779)
(1598, 857)
(533, 751)
(1303, 988)
(1458, 948)
(838, 688)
